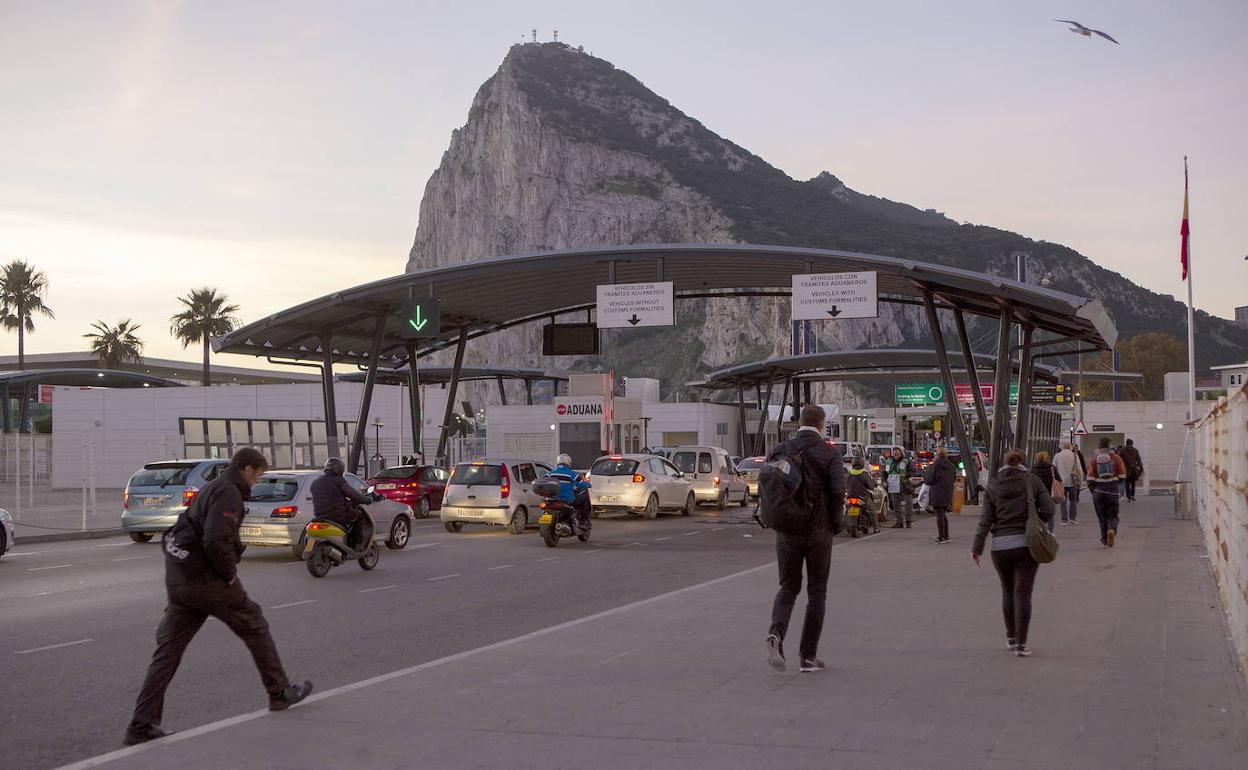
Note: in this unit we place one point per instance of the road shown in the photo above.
(79, 619)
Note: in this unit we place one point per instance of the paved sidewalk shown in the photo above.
(1132, 669)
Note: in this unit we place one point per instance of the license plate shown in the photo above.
(546, 519)
(250, 531)
(155, 500)
(855, 511)
(609, 498)
(387, 486)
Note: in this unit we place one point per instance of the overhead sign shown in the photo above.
(967, 396)
(420, 318)
(627, 305)
(824, 296)
(1103, 429)
(1080, 429)
(1048, 393)
(919, 395)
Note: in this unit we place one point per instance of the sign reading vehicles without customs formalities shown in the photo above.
(626, 305)
(825, 296)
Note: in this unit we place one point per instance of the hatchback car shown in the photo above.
(644, 484)
(281, 507)
(6, 531)
(714, 478)
(418, 486)
(493, 492)
(748, 468)
(156, 495)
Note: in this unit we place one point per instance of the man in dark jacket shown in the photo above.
(823, 485)
(331, 494)
(202, 551)
(1135, 468)
(940, 480)
(860, 484)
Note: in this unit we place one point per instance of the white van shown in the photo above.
(714, 478)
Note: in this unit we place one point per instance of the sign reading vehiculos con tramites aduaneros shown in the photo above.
(825, 296)
(626, 305)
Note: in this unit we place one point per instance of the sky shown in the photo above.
(278, 151)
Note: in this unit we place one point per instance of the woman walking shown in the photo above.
(1005, 511)
(1046, 472)
(940, 478)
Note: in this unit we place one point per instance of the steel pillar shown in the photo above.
(453, 390)
(951, 396)
(4, 403)
(366, 398)
(1025, 366)
(1001, 394)
(414, 403)
(784, 406)
(23, 410)
(502, 392)
(528, 392)
(327, 394)
(742, 431)
(760, 438)
(972, 375)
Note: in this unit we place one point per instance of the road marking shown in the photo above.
(629, 545)
(378, 588)
(661, 539)
(132, 558)
(428, 545)
(446, 577)
(213, 727)
(691, 534)
(54, 566)
(612, 658)
(550, 558)
(54, 646)
(716, 529)
(596, 550)
(291, 604)
(502, 566)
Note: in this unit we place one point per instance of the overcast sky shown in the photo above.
(279, 150)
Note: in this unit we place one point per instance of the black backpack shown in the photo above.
(783, 502)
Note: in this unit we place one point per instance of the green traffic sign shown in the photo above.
(918, 395)
(420, 319)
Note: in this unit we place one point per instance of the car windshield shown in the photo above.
(162, 475)
(750, 464)
(472, 473)
(608, 466)
(402, 472)
(274, 489)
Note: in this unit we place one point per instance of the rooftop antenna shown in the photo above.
(535, 36)
(556, 36)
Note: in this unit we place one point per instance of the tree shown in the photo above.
(1153, 354)
(116, 345)
(206, 314)
(22, 290)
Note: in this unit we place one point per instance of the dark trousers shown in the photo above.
(189, 606)
(581, 507)
(814, 550)
(942, 521)
(1130, 485)
(1017, 570)
(1106, 512)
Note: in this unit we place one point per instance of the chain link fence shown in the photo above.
(44, 501)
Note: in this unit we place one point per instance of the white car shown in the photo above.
(644, 484)
(6, 531)
(493, 492)
(715, 479)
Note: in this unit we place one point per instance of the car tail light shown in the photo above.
(854, 501)
(410, 485)
(638, 478)
(285, 511)
(504, 490)
(125, 500)
(715, 479)
(188, 495)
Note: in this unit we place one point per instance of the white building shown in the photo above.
(1234, 376)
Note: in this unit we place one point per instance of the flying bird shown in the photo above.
(1079, 29)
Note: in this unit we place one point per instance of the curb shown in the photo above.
(90, 534)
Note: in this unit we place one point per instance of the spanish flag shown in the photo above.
(1184, 229)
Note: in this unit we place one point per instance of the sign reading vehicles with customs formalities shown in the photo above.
(825, 296)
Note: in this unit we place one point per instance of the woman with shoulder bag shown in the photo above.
(1042, 469)
(1006, 509)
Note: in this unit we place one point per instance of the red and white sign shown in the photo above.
(561, 410)
(882, 425)
(45, 393)
(967, 396)
(1080, 429)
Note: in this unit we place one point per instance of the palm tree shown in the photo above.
(22, 289)
(206, 314)
(116, 345)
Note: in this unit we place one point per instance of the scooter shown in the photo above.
(328, 546)
(559, 519)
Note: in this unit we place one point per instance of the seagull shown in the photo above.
(1079, 29)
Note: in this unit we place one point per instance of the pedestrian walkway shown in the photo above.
(1132, 669)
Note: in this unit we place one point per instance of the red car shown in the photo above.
(420, 486)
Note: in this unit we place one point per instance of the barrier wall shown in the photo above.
(1222, 506)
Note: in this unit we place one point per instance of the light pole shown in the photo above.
(377, 426)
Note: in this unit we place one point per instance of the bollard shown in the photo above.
(959, 494)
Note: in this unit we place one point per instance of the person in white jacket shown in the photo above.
(1066, 462)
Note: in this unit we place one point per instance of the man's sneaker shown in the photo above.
(937, 540)
(1010, 644)
(137, 735)
(775, 652)
(1109, 539)
(1022, 651)
(1074, 521)
(812, 665)
(290, 696)
(1064, 523)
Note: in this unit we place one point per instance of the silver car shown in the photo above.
(493, 492)
(644, 484)
(6, 531)
(749, 468)
(158, 493)
(281, 507)
(714, 478)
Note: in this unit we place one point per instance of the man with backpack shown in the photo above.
(1105, 474)
(802, 497)
(1135, 468)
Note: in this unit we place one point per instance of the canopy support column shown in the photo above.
(1001, 394)
(760, 438)
(972, 375)
(1025, 366)
(502, 392)
(413, 395)
(366, 398)
(742, 431)
(453, 390)
(951, 396)
(528, 392)
(4, 403)
(327, 394)
(784, 407)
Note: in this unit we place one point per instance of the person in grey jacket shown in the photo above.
(1005, 512)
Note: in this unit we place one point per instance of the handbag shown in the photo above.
(1057, 491)
(1040, 541)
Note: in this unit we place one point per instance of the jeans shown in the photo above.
(1071, 504)
(1106, 505)
(1129, 487)
(942, 521)
(901, 502)
(814, 550)
(1017, 570)
(189, 606)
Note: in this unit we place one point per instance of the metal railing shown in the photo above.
(43, 501)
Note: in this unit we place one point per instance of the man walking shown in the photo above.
(202, 551)
(1135, 468)
(1070, 471)
(821, 499)
(897, 483)
(1105, 473)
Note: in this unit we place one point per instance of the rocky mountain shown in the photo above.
(561, 149)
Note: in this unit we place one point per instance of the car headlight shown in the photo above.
(5, 515)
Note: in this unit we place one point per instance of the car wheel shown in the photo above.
(453, 526)
(652, 507)
(690, 505)
(141, 537)
(745, 498)
(297, 548)
(722, 502)
(400, 533)
(422, 508)
(519, 520)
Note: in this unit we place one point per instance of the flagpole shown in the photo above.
(1191, 316)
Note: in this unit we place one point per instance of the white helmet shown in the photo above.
(564, 459)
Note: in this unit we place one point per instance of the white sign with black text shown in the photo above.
(627, 305)
(825, 296)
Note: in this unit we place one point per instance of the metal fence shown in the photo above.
(39, 504)
(1221, 504)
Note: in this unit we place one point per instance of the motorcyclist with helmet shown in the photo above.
(573, 488)
(333, 498)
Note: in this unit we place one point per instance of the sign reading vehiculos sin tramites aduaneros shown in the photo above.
(625, 305)
(824, 296)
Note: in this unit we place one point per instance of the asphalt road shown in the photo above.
(78, 620)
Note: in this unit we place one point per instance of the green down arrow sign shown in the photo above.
(420, 319)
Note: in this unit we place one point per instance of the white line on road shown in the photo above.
(427, 545)
(550, 558)
(661, 539)
(132, 558)
(596, 550)
(716, 529)
(291, 604)
(378, 588)
(446, 577)
(612, 658)
(54, 566)
(502, 566)
(54, 646)
(691, 534)
(629, 545)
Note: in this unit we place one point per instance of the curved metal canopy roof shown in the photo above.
(437, 375)
(487, 295)
(86, 378)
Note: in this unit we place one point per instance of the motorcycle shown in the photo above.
(558, 518)
(329, 546)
